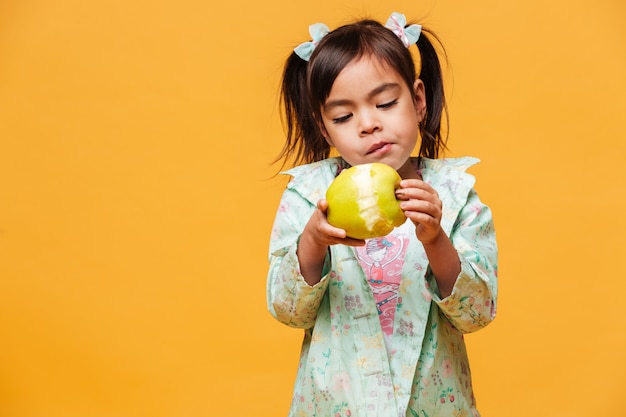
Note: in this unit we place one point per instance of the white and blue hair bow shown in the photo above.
(305, 49)
(408, 35)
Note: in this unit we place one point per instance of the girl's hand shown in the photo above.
(322, 233)
(422, 205)
(316, 237)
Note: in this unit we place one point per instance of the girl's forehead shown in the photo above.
(372, 59)
(368, 70)
(370, 63)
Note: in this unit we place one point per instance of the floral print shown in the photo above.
(345, 368)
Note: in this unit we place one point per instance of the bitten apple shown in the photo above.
(362, 201)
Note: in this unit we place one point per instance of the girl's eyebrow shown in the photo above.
(381, 88)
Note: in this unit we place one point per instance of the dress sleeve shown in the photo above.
(472, 303)
(290, 299)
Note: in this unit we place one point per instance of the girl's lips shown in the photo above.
(380, 147)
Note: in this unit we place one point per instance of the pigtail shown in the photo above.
(304, 142)
(432, 141)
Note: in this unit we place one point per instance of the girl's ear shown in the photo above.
(419, 98)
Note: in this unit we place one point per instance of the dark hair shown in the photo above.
(307, 85)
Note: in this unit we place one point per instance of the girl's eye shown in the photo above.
(387, 105)
(342, 119)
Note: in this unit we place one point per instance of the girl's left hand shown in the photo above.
(422, 205)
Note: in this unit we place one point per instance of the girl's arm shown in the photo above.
(444, 262)
(462, 266)
(421, 204)
(300, 259)
(290, 299)
(472, 303)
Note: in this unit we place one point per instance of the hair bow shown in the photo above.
(305, 49)
(408, 35)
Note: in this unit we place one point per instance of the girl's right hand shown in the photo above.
(325, 234)
(316, 237)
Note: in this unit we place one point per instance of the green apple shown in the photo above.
(362, 201)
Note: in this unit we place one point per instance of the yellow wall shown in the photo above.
(136, 199)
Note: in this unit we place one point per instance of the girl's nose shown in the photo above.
(369, 123)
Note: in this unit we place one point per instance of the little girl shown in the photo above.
(383, 320)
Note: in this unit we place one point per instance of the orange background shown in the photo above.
(136, 201)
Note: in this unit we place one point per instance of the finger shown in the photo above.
(353, 242)
(335, 235)
(420, 190)
(413, 183)
(431, 205)
(348, 241)
(414, 196)
(405, 194)
(333, 232)
(421, 207)
(322, 204)
(424, 219)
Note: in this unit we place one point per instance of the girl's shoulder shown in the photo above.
(447, 171)
(448, 164)
(329, 166)
(449, 177)
(312, 180)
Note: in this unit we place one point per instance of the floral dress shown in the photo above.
(348, 366)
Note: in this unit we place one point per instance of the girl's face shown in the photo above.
(372, 116)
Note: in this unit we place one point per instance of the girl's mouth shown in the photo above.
(380, 147)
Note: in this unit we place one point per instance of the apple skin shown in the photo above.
(362, 201)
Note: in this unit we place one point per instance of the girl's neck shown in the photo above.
(410, 169)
